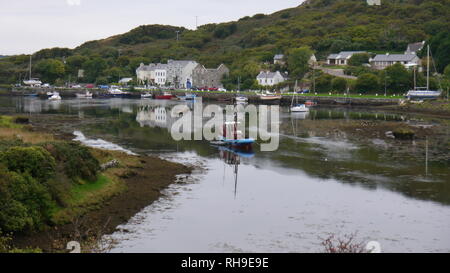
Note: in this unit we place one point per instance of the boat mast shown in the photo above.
(428, 67)
(30, 66)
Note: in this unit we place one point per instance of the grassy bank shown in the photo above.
(49, 186)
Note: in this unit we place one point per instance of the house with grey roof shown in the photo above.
(414, 48)
(267, 78)
(381, 61)
(152, 74)
(176, 73)
(342, 57)
(279, 59)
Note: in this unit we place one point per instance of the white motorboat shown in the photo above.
(241, 99)
(146, 96)
(86, 95)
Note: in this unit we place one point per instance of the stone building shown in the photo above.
(175, 73)
(204, 77)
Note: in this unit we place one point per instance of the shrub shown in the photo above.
(35, 161)
(77, 160)
(24, 201)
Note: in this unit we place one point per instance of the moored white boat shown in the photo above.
(423, 93)
(55, 96)
(299, 108)
(86, 95)
(146, 96)
(269, 97)
(241, 99)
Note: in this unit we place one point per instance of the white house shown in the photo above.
(342, 57)
(175, 73)
(414, 48)
(266, 78)
(382, 61)
(155, 74)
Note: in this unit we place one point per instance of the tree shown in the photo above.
(359, 59)
(367, 83)
(398, 78)
(323, 83)
(74, 63)
(298, 61)
(50, 69)
(339, 84)
(93, 68)
(440, 48)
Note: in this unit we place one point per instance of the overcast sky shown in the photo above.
(29, 25)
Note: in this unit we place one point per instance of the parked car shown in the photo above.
(103, 87)
(306, 91)
(76, 86)
(213, 89)
(222, 90)
(90, 85)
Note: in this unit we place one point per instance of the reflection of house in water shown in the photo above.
(154, 116)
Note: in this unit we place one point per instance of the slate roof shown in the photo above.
(344, 54)
(394, 57)
(415, 47)
(269, 75)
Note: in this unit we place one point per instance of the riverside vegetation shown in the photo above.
(45, 183)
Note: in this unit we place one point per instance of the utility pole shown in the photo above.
(239, 84)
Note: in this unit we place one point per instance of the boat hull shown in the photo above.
(423, 95)
(164, 97)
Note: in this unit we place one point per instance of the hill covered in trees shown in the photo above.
(324, 26)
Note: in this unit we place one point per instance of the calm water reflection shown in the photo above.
(321, 180)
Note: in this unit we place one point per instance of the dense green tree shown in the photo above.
(440, 47)
(93, 68)
(339, 84)
(359, 59)
(323, 83)
(367, 83)
(74, 63)
(50, 69)
(398, 78)
(298, 59)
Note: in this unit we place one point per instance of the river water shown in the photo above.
(323, 179)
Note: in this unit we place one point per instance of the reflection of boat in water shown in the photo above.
(232, 157)
(299, 115)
